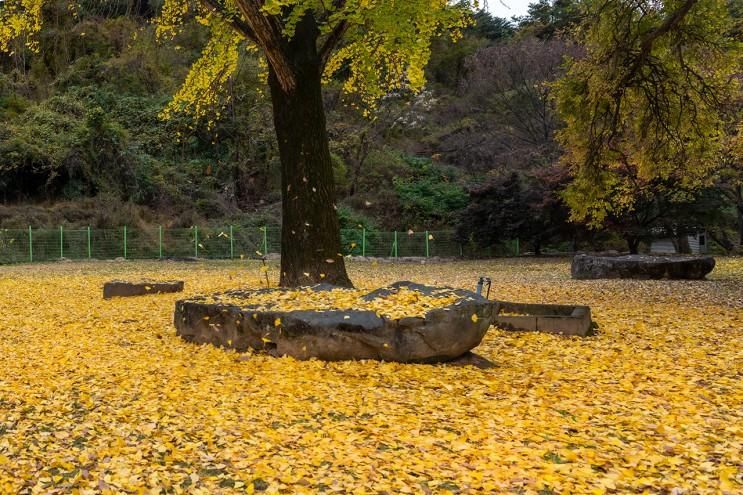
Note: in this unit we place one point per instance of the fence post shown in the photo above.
(160, 241)
(90, 251)
(394, 246)
(61, 242)
(265, 240)
(196, 240)
(427, 251)
(30, 245)
(124, 241)
(363, 242)
(232, 244)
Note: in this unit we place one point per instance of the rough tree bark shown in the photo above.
(310, 233)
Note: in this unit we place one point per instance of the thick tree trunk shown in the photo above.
(310, 233)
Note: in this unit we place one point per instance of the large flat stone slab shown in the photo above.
(585, 267)
(440, 335)
(122, 288)
(549, 318)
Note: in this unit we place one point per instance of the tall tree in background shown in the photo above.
(644, 104)
(547, 19)
(379, 45)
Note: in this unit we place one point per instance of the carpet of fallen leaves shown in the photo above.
(101, 396)
(400, 303)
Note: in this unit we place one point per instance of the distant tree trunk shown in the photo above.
(739, 197)
(310, 233)
(633, 243)
(537, 244)
(683, 246)
(358, 163)
(141, 8)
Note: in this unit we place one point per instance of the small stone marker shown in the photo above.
(121, 288)
(549, 318)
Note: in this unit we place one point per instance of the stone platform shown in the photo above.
(121, 288)
(440, 335)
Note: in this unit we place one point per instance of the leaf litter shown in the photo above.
(102, 397)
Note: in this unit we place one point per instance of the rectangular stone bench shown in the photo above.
(550, 318)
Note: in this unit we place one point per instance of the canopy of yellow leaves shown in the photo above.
(403, 302)
(102, 397)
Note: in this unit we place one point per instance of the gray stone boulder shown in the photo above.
(440, 335)
(642, 267)
(121, 288)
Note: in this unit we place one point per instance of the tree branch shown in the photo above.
(646, 45)
(236, 23)
(269, 37)
(332, 41)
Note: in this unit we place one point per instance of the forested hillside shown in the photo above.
(83, 141)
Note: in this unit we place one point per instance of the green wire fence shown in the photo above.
(231, 242)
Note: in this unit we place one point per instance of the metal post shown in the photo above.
(61, 242)
(124, 241)
(395, 245)
(427, 251)
(160, 240)
(30, 245)
(363, 242)
(265, 240)
(90, 251)
(232, 244)
(196, 240)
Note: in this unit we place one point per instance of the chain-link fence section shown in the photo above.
(231, 242)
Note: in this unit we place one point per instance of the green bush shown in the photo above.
(431, 195)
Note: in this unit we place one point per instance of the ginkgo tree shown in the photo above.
(645, 102)
(378, 45)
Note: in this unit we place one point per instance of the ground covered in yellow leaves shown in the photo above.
(100, 396)
(400, 303)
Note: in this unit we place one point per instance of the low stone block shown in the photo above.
(549, 318)
(586, 267)
(121, 288)
(525, 322)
